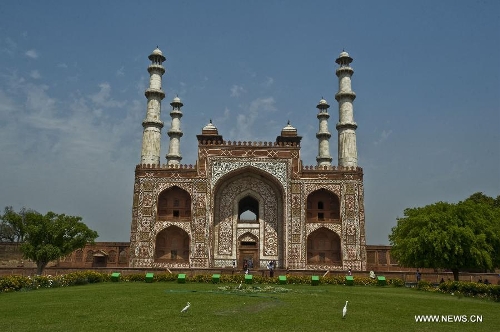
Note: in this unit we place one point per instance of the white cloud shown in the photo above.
(262, 104)
(269, 81)
(182, 89)
(383, 137)
(7, 104)
(8, 46)
(103, 97)
(31, 54)
(243, 130)
(59, 147)
(237, 90)
(41, 108)
(35, 74)
(120, 72)
(62, 65)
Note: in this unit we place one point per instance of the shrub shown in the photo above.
(471, 289)
(165, 277)
(14, 283)
(396, 282)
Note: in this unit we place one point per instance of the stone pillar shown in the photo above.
(346, 127)
(174, 150)
(323, 135)
(151, 136)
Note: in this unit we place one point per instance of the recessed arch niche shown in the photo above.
(324, 247)
(248, 189)
(172, 245)
(323, 206)
(174, 203)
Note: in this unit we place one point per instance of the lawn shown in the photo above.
(140, 306)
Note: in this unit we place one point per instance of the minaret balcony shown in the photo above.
(176, 112)
(344, 69)
(345, 94)
(175, 132)
(324, 161)
(152, 123)
(347, 125)
(156, 68)
(171, 157)
(323, 135)
(150, 92)
(323, 115)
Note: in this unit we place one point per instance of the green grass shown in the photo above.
(140, 306)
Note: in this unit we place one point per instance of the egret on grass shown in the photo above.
(186, 308)
(344, 311)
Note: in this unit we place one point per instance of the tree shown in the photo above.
(12, 225)
(52, 236)
(458, 236)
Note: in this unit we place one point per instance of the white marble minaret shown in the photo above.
(152, 125)
(174, 149)
(323, 135)
(346, 127)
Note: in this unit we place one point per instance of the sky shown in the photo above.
(73, 75)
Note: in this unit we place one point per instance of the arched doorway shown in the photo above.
(248, 251)
(323, 206)
(172, 245)
(248, 201)
(323, 247)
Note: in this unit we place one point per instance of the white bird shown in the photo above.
(239, 287)
(186, 308)
(344, 311)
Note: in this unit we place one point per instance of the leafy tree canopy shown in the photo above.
(12, 225)
(51, 236)
(458, 236)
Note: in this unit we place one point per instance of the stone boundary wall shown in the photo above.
(12, 263)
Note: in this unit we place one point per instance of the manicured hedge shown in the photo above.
(471, 289)
(21, 283)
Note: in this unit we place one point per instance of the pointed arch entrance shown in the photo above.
(324, 247)
(248, 190)
(172, 245)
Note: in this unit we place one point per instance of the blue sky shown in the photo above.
(73, 75)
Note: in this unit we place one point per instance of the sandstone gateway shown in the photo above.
(248, 202)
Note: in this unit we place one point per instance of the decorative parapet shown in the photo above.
(165, 166)
(249, 143)
(356, 169)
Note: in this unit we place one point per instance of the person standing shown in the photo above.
(271, 268)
